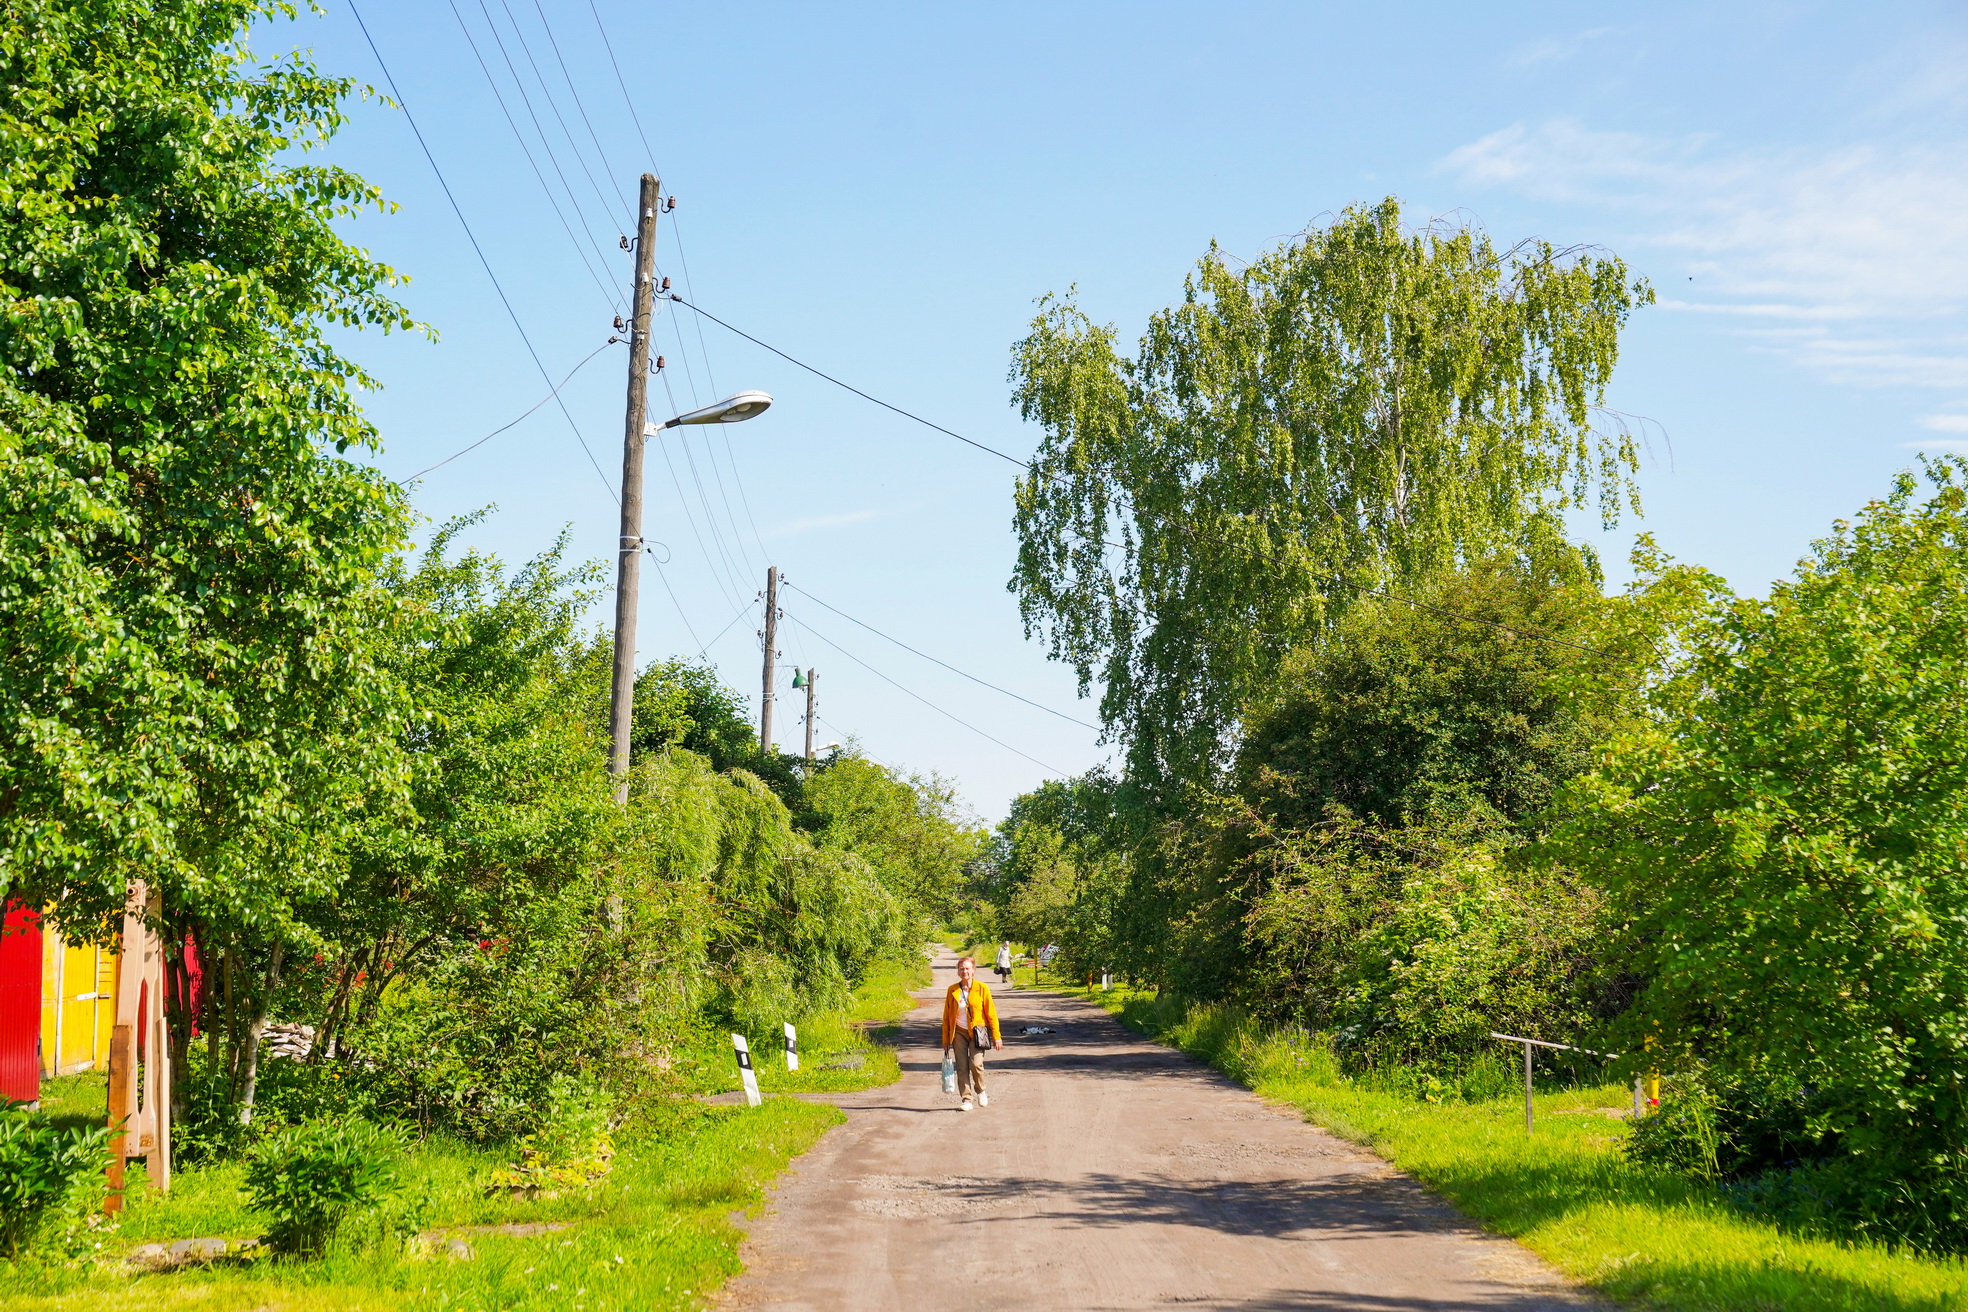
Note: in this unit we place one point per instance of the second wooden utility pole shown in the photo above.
(628, 571)
(771, 657)
(811, 702)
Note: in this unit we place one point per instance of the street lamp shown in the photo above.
(731, 410)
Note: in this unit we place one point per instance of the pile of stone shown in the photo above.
(281, 1040)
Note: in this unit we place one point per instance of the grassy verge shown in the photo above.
(1566, 1192)
(656, 1234)
(839, 1051)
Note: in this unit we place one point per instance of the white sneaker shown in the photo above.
(966, 1105)
(983, 1098)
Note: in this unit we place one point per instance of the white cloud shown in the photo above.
(1558, 49)
(1948, 445)
(818, 522)
(1868, 237)
(1945, 423)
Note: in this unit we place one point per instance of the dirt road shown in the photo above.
(1108, 1172)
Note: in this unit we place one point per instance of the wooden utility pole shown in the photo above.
(771, 657)
(811, 702)
(628, 573)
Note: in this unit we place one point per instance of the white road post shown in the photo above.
(792, 1047)
(745, 1071)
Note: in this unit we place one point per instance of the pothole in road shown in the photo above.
(909, 1197)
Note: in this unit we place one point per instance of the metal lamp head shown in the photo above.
(731, 410)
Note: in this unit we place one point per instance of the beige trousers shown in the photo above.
(970, 1065)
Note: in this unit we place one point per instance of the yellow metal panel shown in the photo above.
(78, 1004)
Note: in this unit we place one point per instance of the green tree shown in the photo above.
(1058, 870)
(1362, 407)
(1788, 838)
(189, 685)
(913, 831)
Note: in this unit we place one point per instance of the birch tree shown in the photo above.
(1359, 408)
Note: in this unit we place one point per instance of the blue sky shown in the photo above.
(883, 189)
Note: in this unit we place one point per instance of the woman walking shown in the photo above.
(970, 1027)
(1004, 963)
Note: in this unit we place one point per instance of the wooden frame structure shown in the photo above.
(140, 1052)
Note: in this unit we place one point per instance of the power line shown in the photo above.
(528, 411)
(728, 584)
(945, 664)
(546, 143)
(683, 259)
(1177, 526)
(476, 248)
(613, 298)
(664, 575)
(740, 614)
(600, 152)
(849, 386)
(546, 92)
(849, 738)
(919, 697)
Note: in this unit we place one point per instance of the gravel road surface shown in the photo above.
(1108, 1172)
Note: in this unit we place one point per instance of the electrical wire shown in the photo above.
(528, 411)
(740, 614)
(683, 259)
(945, 664)
(546, 143)
(728, 582)
(553, 105)
(613, 297)
(683, 500)
(476, 248)
(989, 450)
(919, 697)
(1266, 556)
(664, 575)
(628, 201)
(848, 738)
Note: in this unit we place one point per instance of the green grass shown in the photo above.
(664, 1212)
(656, 1234)
(839, 1051)
(1566, 1192)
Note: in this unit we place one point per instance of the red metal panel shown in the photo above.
(20, 1004)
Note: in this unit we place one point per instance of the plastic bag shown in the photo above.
(949, 1075)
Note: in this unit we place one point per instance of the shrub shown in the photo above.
(41, 1169)
(1784, 839)
(317, 1181)
(1733, 1130)
(572, 1149)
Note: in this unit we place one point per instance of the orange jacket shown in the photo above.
(982, 1011)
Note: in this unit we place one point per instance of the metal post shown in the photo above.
(628, 572)
(1530, 1112)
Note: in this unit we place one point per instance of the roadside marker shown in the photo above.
(792, 1047)
(745, 1071)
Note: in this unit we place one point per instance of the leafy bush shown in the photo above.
(1785, 840)
(320, 1180)
(41, 1169)
(1733, 1130)
(572, 1149)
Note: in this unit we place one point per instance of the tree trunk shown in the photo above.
(249, 1057)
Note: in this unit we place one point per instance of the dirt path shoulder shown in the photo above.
(1108, 1172)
